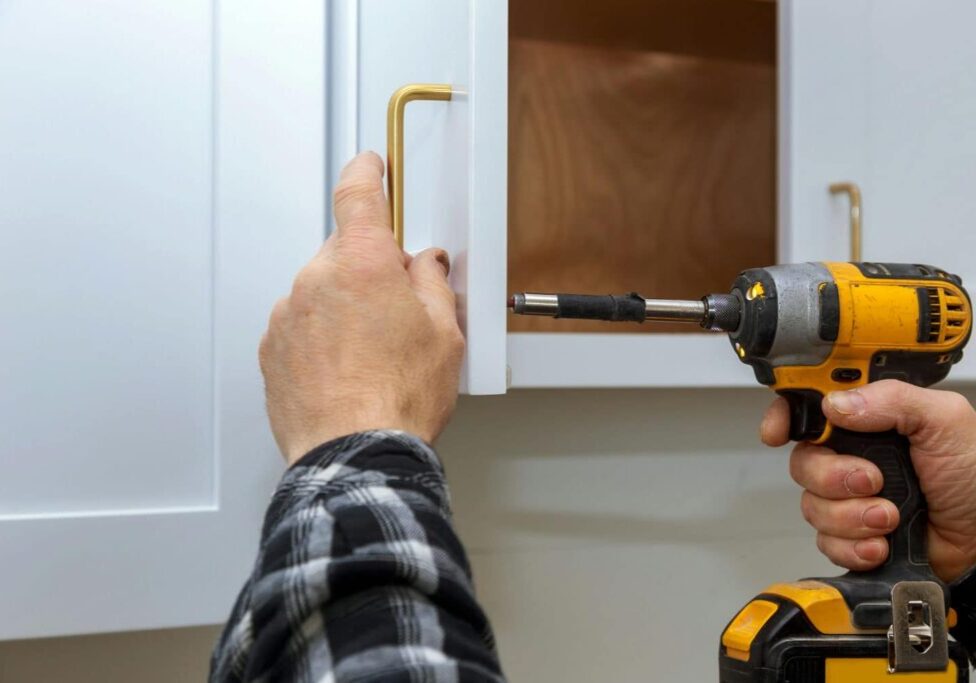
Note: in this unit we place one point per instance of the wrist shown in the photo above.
(314, 441)
(393, 440)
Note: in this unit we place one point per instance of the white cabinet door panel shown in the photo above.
(823, 65)
(920, 196)
(455, 152)
(105, 256)
(162, 175)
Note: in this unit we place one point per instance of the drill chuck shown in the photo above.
(722, 312)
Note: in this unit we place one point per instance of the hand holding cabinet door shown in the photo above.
(368, 337)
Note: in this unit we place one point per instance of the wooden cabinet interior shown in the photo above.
(641, 149)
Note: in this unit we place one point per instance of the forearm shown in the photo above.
(360, 574)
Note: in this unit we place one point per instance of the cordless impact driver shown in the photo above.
(808, 329)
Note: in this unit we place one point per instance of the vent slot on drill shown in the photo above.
(942, 315)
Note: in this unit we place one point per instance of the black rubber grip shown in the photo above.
(890, 452)
(868, 594)
(610, 307)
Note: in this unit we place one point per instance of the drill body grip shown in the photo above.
(890, 452)
(868, 592)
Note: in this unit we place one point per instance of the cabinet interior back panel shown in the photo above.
(106, 250)
(634, 169)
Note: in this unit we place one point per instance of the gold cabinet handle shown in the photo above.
(854, 193)
(394, 143)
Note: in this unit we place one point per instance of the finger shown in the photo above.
(891, 404)
(852, 518)
(775, 427)
(859, 555)
(360, 203)
(836, 477)
(428, 277)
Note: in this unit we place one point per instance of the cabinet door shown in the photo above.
(162, 174)
(823, 123)
(455, 168)
(881, 94)
(919, 198)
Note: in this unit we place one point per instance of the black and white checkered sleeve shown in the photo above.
(360, 576)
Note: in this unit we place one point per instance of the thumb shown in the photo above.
(892, 404)
(428, 277)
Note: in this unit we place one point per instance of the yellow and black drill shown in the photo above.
(808, 329)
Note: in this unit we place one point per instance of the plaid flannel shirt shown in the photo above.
(360, 576)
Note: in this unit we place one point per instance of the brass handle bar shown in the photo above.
(854, 194)
(394, 143)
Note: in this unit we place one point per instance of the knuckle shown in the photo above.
(895, 388)
(852, 517)
(263, 351)
(796, 465)
(846, 559)
(353, 191)
(307, 283)
(959, 407)
(278, 314)
(903, 396)
(839, 552)
(360, 245)
(893, 396)
(455, 341)
(301, 290)
(358, 230)
(362, 269)
(807, 508)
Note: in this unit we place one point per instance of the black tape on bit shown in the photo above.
(610, 307)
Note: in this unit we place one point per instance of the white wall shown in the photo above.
(612, 533)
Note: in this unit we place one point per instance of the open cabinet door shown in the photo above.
(455, 151)
(162, 168)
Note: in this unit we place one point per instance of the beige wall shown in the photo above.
(612, 533)
(170, 656)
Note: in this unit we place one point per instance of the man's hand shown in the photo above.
(368, 338)
(839, 501)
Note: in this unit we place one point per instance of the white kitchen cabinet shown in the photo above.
(166, 168)
(871, 92)
(162, 173)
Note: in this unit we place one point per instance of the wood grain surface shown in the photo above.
(636, 171)
(742, 30)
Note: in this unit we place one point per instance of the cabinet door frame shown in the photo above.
(114, 570)
(472, 40)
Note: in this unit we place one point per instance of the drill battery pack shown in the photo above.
(802, 633)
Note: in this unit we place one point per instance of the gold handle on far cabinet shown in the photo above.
(394, 143)
(854, 194)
